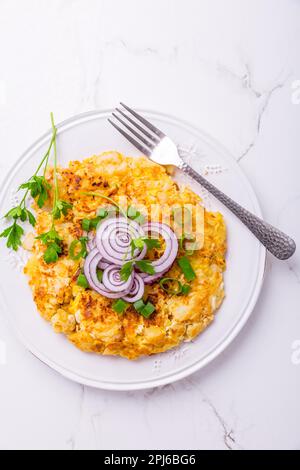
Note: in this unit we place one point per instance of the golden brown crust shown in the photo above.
(84, 316)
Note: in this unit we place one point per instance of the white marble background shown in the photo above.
(230, 67)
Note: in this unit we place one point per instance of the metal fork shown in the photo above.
(162, 150)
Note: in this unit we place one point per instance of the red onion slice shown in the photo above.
(90, 271)
(103, 264)
(150, 278)
(163, 264)
(91, 243)
(112, 280)
(114, 237)
(137, 290)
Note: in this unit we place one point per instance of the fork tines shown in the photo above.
(148, 135)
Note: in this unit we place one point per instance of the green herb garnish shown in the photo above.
(141, 241)
(139, 305)
(107, 198)
(82, 281)
(148, 310)
(126, 270)
(145, 310)
(86, 224)
(120, 306)
(99, 275)
(145, 266)
(185, 289)
(186, 268)
(13, 234)
(75, 255)
(171, 285)
(102, 213)
(38, 187)
(135, 214)
(52, 239)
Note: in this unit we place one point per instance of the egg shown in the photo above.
(86, 318)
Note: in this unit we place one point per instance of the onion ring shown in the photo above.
(137, 290)
(164, 263)
(114, 237)
(90, 271)
(113, 282)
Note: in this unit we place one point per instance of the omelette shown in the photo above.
(87, 318)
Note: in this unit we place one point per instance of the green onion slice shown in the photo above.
(186, 268)
(75, 255)
(120, 305)
(166, 284)
(82, 281)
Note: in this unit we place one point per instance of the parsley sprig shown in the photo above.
(143, 265)
(141, 241)
(37, 187)
(52, 239)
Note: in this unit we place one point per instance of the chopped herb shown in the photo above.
(102, 213)
(171, 285)
(126, 270)
(82, 281)
(52, 252)
(145, 266)
(99, 275)
(145, 310)
(120, 306)
(151, 243)
(49, 237)
(139, 305)
(136, 215)
(190, 239)
(140, 219)
(75, 255)
(138, 243)
(132, 212)
(86, 224)
(185, 289)
(94, 222)
(186, 268)
(148, 310)
(53, 241)
(141, 241)
(60, 208)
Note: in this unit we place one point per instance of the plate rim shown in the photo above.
(235, 330)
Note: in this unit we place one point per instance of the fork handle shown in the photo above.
(278, 243)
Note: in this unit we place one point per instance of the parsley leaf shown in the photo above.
(48, 237)
(38, 187)
(126, 270)
(13, 235)
(145, 266)
(52, 252)
(53, 242)
(14, 213)
(60, 208)
(141, 241)
(136, 215)
(151, 243)
(31, 218)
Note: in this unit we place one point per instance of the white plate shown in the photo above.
(88, 134)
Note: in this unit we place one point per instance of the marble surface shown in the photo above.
(233, 69)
